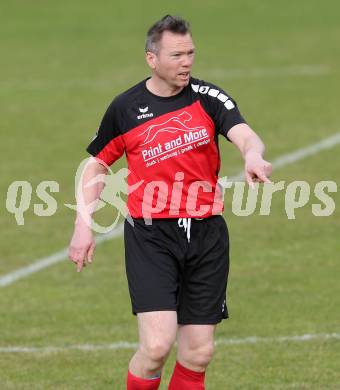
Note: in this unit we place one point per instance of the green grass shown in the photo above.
(61, 64)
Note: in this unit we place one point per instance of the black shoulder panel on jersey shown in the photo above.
(219, 105)
(107, 131)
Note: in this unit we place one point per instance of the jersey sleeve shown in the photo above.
(108, 144)
(222, 108)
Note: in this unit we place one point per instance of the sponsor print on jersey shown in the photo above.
(171, 138)
(177, 157)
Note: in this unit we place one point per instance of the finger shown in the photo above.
(250, 181)
(73, 256)
(263, 178)
(260, 175)
(70, 254)
(78, 257)
(268, 169)
(80, 265)
(90, 253)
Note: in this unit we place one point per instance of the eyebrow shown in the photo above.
(183, 52)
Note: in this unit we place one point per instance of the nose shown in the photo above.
(187, 61)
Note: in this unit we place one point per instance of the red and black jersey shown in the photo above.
(171, 145)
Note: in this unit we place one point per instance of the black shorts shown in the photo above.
(167, 270)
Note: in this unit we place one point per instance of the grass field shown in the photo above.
(61, 64)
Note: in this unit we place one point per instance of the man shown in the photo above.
(177, 251)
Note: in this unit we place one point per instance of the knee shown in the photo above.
(202, 356)
(198, 356)
(157, 351)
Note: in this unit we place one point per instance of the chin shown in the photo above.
(184, 83)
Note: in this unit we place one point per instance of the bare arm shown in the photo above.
(252, 149)
(82, 244)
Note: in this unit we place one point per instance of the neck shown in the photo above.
(159, 87)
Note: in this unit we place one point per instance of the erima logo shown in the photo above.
(144, 113)
(215, 93)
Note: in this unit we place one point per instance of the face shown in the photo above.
(174, 59)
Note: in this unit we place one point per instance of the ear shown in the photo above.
(151, 59)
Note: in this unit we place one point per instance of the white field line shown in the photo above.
(281, 161)
(45, 262)
(126, 345)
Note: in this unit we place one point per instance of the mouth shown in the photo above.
(184, 75)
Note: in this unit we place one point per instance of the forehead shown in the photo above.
(174, 42)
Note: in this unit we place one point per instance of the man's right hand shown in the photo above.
(82, 246)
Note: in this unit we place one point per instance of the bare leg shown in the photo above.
(195, 346)
(157, 334)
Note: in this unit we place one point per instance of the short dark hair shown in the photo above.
(175, 24)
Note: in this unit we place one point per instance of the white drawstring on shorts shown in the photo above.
(186, 224)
